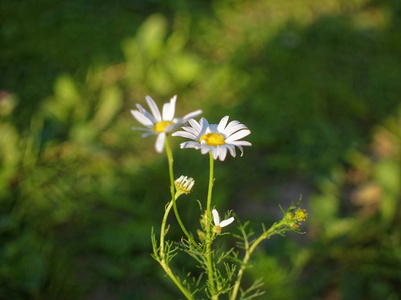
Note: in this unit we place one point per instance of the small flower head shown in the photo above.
(219, 225)
(217, 138)
(160, 124)
(184, 184)
(301, 215)
(294, 219)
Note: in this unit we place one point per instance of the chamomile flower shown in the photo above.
(217, 138)
(219, 225)
(160, 124)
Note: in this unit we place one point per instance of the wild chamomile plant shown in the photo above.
(221, 271)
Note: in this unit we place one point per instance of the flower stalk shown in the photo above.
(249, 250)
(173, 192)
(286, 224)
(162, 255)
(209, 240)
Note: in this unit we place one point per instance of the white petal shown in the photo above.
(146, 134)
(145, 112)
(232, 123)
(190, 144)
(187, 128)
(233, 128)
(166, 112)
(184, 134)
(204, 124)
(160, 142)
(153, 108)
(222, 152)
(143, 129)
(226, 222)
(191, 130)
(141, 118)
(169, 109)
(205, 149)
(241, 149)
(177, 121)
(173, 100)
(231, 148)
(215, 152)
(222, 124)
(172, 127)
(238, 135)
(241, 143)
(195, 125)
(191, 115)
(216, 218)
(213, 128)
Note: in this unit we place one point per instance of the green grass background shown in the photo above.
(317, 83)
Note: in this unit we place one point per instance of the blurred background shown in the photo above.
(316, 81)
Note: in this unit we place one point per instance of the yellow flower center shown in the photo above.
(212, 139)
(301, 215)
(161, 126)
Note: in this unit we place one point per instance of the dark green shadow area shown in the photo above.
(42, 39)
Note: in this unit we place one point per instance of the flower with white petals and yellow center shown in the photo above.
(160, 124)
(217, 138)
(219, 225)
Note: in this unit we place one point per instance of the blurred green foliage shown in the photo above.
(317, 82)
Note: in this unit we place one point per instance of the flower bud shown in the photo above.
(294, 225)
(184, 185)
(301, 215)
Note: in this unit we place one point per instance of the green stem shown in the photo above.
(162, 259)
(168, 271)
(248, 252)
(170, 168)
(208, 227)
(174, 196)
(163, 229)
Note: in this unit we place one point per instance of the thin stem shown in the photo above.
(241, 271)
(162, 259)
(208, 226)
(170, 167)
(163, 230)
(174, 196)
(249, 250)
(168, 271)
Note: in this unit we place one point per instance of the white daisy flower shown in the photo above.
(219, 225)
(217, 138)
(160, 124)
